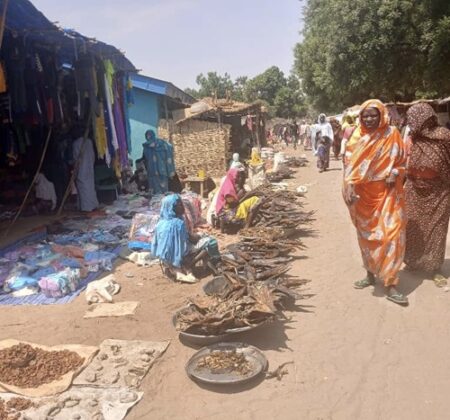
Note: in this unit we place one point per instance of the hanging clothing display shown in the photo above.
(159, 163)
(85, 179)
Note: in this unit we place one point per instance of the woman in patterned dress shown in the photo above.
(373, 192)
(427, 192)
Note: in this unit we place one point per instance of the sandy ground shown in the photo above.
(356, 355)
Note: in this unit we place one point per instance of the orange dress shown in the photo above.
(379, 213)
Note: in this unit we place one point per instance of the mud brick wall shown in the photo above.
(199, 145)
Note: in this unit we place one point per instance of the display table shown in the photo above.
(187, 182)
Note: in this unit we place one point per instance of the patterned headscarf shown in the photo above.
(384, 115)
(423, 122)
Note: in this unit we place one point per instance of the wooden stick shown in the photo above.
(44, 152)
(76, 167)
(3, 22)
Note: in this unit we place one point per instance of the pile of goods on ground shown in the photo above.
(296, 162)
(25, 366)
(254, 285)
(10, 410)
(222, 361)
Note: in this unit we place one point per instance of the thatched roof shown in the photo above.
(210, 107)
(443, 101)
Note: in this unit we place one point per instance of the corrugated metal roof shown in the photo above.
(161, 87)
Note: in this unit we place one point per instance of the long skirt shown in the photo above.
(323, 156)
(380, 222)
(428, 213)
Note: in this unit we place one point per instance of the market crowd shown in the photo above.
(396, 185)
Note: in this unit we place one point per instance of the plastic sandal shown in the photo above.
(362, 284)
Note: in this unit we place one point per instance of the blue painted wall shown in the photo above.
(144, 115)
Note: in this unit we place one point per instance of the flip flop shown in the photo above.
(440, 280)
(398, 298)
(362, 284)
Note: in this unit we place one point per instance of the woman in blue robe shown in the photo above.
(178, 250)
(159, 163)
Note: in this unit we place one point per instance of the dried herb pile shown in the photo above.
(25, 366)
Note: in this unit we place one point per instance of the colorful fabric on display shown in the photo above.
(127, 100)
(159, 161)
(109, 109)
(171, 240)
(378, 214)
(120, 127)
(427, 190)
(101, 141)
(109, 74)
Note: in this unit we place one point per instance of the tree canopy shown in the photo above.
(282, 95)
(390, 49)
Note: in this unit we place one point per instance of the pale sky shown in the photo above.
(175, 40)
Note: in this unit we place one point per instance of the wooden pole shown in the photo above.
(76, 167)
(166, 114)
(257, 130)
(38, 170)
(3, 21)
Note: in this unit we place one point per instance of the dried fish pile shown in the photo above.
(241, 304)
(280, 175)
(279, 209)
(222, 361)
(27, 367)
(255, 271)
(296, 162)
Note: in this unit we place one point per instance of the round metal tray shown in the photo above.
(205, 340)
(257, 360)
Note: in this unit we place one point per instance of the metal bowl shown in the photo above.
(255, 358)
(217, 286)
(205, 340)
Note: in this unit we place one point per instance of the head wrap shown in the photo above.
(384, 115)
(150, 135)
(171, 240)
(423, 123)
(228, 188)
(168, 205)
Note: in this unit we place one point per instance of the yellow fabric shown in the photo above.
(244, 208)
(109, 73)
(256, 158)
(101, 142)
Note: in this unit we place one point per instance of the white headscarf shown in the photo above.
(45, 190)
(235, 162)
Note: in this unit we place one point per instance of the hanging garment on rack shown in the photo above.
(120, 127)
(127, 101)
(101, 141)
(108, 99)
(86, 81)
(85, 179)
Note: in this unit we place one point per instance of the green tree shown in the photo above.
(214, 84)
(391, 49)
(289, 101)
(265, 86)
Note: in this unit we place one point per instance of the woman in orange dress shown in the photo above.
(373, 192)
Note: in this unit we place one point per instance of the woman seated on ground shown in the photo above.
(233, 205)
(178, 250)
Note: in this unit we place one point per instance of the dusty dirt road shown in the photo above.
(356, 355)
